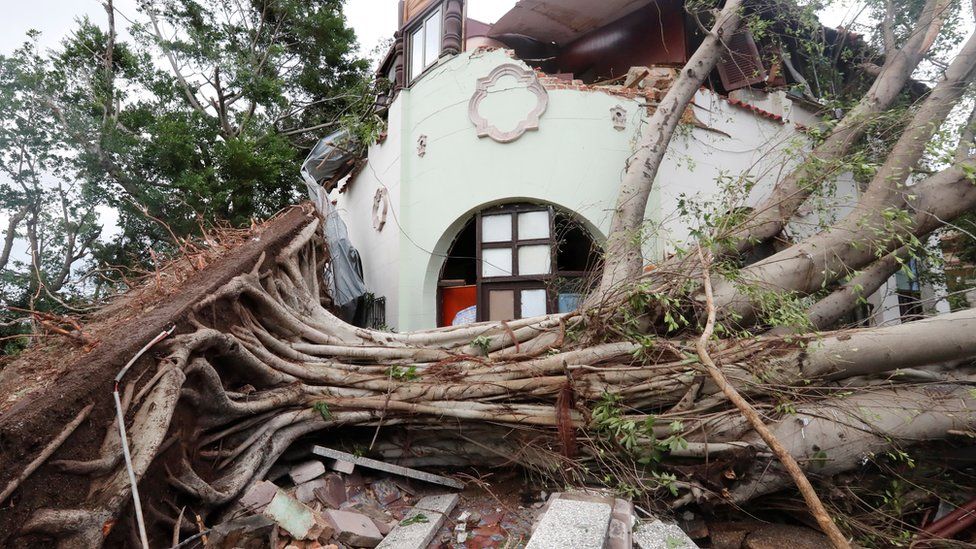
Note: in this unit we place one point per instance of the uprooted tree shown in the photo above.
(702, 381)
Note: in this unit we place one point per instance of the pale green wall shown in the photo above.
(574, 160)
(566, 162)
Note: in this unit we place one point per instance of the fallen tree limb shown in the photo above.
(251, 376)
(837, 539)
(46, 452)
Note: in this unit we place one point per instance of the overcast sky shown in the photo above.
(374, 20)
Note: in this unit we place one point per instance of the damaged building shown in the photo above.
(492, 190)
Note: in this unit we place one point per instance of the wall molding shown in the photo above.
(525, 77)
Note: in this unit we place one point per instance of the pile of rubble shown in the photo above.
(307, 506)
(341, 501)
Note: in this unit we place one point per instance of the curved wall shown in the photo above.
(574, 160)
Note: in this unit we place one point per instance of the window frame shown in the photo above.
(517, 281)
(419, 21)
(515, 243)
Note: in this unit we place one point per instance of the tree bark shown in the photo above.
(624, 257)
(8, 239)
(792, 191)
(829, 310)
(874, 228)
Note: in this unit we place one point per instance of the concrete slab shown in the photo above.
(571, 523)
(389, 468)
(421, 524)
(354, 529)
(304, 472)
(656, 534)
(296, 518)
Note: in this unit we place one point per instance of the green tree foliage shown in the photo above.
(204, 114)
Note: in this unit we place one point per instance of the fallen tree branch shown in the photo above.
(816, 507)
(47, 452)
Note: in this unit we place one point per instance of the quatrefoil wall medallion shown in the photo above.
(526, 79)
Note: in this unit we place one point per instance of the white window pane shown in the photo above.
(432, 28)
(534, 260)
(417, 52)
(533, 303)
(533, 225)
(496, 228)
(496, 262)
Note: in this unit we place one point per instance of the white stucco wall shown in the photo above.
(379, 250)
(574, 160)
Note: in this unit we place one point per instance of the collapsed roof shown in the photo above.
(563, 21)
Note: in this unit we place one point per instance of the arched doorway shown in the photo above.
(516, 261)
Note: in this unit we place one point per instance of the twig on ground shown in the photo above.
(46, 453)
(837, 539)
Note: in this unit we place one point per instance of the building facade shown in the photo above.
(492, 190)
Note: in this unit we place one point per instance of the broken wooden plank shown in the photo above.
(386, 467)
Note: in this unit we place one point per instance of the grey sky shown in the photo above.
(374, 20)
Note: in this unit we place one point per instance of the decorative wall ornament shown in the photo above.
(524, 77)
(618, 115)
(421, 146)
(381, 204)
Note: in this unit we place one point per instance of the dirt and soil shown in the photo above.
(49, 383)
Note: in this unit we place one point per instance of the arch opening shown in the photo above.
(514, 261)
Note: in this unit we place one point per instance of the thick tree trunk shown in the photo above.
(792, 191)
(624, 257)
(267, 329)
(843, 434)
(830, 310)
(875, 227)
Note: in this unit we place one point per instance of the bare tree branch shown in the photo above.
(177, 72)
(793, 190)
(623, 248)
(11, 234)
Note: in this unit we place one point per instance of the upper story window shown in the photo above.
(425, 43)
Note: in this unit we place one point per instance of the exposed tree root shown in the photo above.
(264, 365)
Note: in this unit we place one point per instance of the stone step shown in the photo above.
(421, 524)
(571, 520)
(656, 534)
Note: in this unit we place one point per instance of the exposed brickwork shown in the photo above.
(656, 85)
(753, 108)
